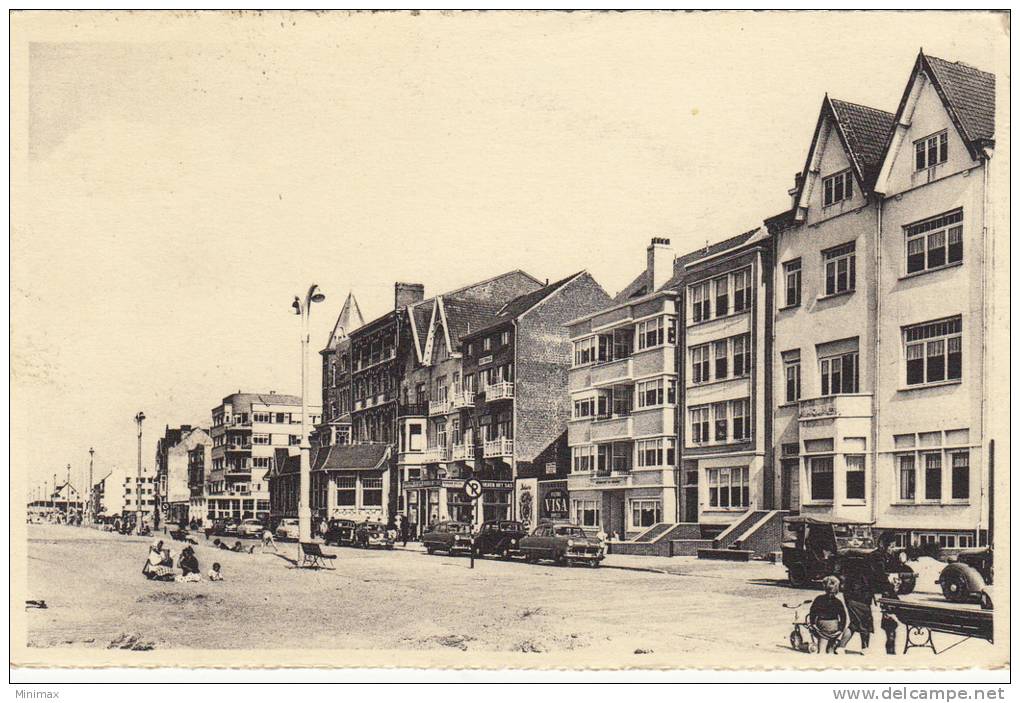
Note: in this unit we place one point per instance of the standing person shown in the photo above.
(885, 559)
(828, 616)
(268, 540)
(403, 530)
(858, 591)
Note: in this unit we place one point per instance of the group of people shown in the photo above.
(159, 565)
(837, 619)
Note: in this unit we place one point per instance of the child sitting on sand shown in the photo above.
(215, 574)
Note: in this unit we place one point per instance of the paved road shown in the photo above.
(400, 599)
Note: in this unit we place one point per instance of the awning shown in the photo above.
(340, 457)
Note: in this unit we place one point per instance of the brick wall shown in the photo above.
(543, 357)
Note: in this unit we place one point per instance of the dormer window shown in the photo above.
(837, 188)
(931, 151)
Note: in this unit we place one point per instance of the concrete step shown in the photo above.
(726, 554)
(653, 533)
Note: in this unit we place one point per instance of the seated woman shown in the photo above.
(158, 565)
(188, 562)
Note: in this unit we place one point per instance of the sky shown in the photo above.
(177, 178)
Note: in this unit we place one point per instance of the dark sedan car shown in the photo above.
(563, 544)
(500, 537)
(341, 533)
(372, 534)
(449, 537)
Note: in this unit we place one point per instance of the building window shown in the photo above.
(585, 351)
(961, 475)
(935, 242)
(729, 488)
(719, 417)
(840, 269)
(586, 512)
(840, 374)
(371, 492)
(791, 367)
(645, 513)
(655, 332)
(504, 338)
(931, 151)
(585, 407)
(908, 477)
(820, 477)
(934, 351)
(346, 491)
(653, 393)
(933, 476)
(700, 303)
(791, 270)
(741, 412)
(742, 355)
(855, 477)
(582, 459)
(699, 425)
(721, 349)
(486, 343)
(260, 439)
(722, 296)
(699, 364)
(742, 290)
(837, 188)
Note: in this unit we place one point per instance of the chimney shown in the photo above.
(798, 181)
(405, 294)
(660, 262)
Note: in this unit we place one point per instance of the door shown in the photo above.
(690, 504)
(790, 496)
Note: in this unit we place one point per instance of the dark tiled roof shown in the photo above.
(340, 457)
(867, 131)
(464, 316)
(682, 262)
(971, 95)
(634, 289)
(522, 303)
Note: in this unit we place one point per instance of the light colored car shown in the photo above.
(250, 528)
(287, 529)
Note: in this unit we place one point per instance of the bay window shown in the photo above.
(656, 332)
(645, 513)
(582, 459)
(585, 351)
(840, 374)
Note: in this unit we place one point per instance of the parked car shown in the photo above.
(250, 528)
(230, 527)
(341, 532)
(563, 544)
(372, 534)
(287, 529)
(502, 537)
(450, 537)
(967, 577)
(819, 547)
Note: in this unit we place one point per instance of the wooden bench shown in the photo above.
(313, 556)
(922, 619)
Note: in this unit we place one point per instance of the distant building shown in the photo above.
(176, 462)
(199, 466)
(140, 494)
(335, 425)
(246, 430)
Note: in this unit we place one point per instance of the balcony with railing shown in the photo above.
(462, 399)
(610, 372)
(463, 452)
(439, 407)
(832, 406)
(501, 447)
(435, 455)
(499, 391)
(413, 410)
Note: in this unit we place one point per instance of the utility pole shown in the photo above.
(67, 490)
(139, 418)
(92, 507)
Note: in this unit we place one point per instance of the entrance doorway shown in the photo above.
(790, 495)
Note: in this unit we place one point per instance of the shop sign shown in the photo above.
(554, 504)
(485, 360)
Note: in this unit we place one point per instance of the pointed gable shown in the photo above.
(940, 95)
(866, 132)
(347, 321)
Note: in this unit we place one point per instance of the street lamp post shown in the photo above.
(139, 418)
(304, 309)
(92, 506)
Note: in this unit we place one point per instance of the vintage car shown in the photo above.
(820, 547)
(967, 577)
(450, 537)
(250, 528)
(287, 529)
(230, 526)
(372, 534)
(563, 544)
(501, 537)
(341, 532)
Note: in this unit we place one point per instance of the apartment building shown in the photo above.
(171, 436)
(246, 430)
(335, 426)
(518, 366)
(622, 432)
(726, 398)
(883, 371)
(199, 466)
(438, 445)
(139, 493)
(825, 330)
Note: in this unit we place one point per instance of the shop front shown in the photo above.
(436, 500)
(621, 506)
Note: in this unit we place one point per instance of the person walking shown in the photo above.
(403, 531)
(268, 540)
